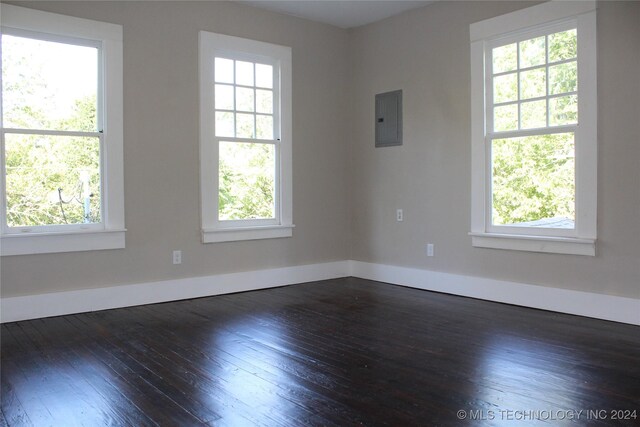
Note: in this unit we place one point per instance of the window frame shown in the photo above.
(212, 45)
(546, 18)
(110, 232)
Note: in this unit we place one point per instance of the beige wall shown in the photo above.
(345, 191)
(161, 149)
(426, 53)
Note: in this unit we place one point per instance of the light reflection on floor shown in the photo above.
(245, 366)
(527, 382)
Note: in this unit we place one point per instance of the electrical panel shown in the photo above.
(389, 119)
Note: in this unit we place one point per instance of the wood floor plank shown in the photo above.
(163, 406)
(90, 380)
(12, 410)
(207, 381)
(331, 353)
(275, 396)
(233, 362)
(68, 397)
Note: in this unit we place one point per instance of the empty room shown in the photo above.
(320, 213)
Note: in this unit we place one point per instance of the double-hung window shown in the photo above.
(245, 139)
(534, 129)
(61, 148)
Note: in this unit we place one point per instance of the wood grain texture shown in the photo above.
(332, 353)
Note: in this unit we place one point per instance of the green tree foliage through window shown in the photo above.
(244, 101)
(246, 180)
(534, 87)
(51, 179)
(45, 177)
(533, 178)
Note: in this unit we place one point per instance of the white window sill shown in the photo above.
(554, 245)
(246, 233)
(43, 243)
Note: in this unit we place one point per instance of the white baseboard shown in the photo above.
(618, 309)
(606, 307)
(81, 301)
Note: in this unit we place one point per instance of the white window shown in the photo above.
(534, 135)
(61, 130)
(245, 139)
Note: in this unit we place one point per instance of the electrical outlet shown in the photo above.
(399, 215)
(177, 257)
(429, 249)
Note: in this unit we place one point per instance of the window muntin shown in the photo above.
(245, 99)
(534, 82)
(245, 139)
(246, 102)
(503, 33)
(532, 116)
(51, 120)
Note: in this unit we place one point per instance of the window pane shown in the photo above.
(223, 70)
(505, 58)
(247, 181)
(245, 126)
(244, 99)
(264, 76)
(533, 83)
(533, 114)
(264, 101)
(505, 118)
(533, 182)
(47, 85)
(224, 97)
(563, 45)
(505, 88)
(244, 73)
(532, 52)
(563, 110)
(224, 123)
(264, 126)
(563, 78)
(52, 180)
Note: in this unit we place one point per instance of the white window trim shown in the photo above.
(210, 46)
(110, 234)
(583, 240)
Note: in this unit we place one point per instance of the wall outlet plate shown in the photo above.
(429, 249)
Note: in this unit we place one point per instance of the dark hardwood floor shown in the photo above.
(337, 353)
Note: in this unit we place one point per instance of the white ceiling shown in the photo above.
(343, 14)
